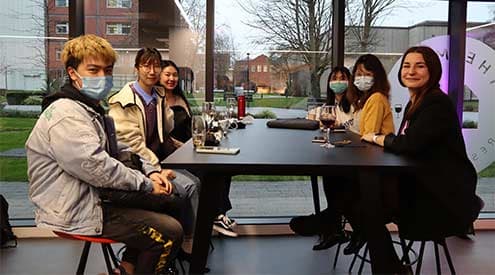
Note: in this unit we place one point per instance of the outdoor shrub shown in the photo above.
(33, 100)
(4, 113)
(469, 124)
(468, 108)
(265, 114)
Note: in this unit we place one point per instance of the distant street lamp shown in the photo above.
(248, 72)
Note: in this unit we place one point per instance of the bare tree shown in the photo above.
(362, 15)
(300, 26)
(224, 46)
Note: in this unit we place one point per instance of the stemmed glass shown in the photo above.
(230, 104)
(398, 109)
(208, 112)
(327, 118)
(223, 122)
(198, 131)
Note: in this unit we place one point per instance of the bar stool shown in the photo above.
(105, 246)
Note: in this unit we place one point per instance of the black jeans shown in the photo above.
(342, 194)
(152, 239)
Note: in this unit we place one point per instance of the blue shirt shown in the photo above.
(144, 95)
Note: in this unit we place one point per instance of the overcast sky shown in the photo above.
(228, 13)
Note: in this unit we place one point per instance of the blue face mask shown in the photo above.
(96, 87)
(338, 86)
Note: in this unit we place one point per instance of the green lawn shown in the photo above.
(13, 169)
(14, 132)
(488, 172)
(273, 102)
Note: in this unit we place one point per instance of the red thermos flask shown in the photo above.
(241, 106)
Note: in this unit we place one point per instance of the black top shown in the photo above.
(439, 199)
(182, 124)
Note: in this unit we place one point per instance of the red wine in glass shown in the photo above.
(328, 122)
(398, 109)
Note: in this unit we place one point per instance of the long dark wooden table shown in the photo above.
(269, 151)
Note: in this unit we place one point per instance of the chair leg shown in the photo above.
(112, 255)
(420, 258)
(211, 246)
(316, 195)
(335, 259)
(447, 256)
(363, 259)
(84, 259)
(437, 258)
(352, 263)
(107, 258)
(405, 251)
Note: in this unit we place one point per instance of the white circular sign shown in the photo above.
(480, 79)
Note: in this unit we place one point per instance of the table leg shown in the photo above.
(382, 253)
(211, 188)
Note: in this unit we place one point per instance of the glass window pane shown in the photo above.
(30, 67)
(479, 99)
(61, 3)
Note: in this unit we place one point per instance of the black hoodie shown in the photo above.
(69, 91)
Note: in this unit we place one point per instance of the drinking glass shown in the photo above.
(231, 105)
(398, 109)
(208, 112)
(223, 121)
(198, 131)
(327, 118)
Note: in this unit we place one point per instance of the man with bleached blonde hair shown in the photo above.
(69, 159)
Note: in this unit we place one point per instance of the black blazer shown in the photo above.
(438, 199)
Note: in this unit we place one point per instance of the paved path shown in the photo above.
(249, 199)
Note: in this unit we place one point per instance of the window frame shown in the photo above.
(119, 4)
(62, 24)
(59, 6)
(119, 28)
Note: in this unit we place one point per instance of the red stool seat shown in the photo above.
(84, 238)
(88, 240)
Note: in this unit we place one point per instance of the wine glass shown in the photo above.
(231, 106)
(198, 131)
(223, 122)
(208, 112)
(327, 118)
(398, 109)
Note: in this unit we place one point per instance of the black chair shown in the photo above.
(436, 243)
(316, 193)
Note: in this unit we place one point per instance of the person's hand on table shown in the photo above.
(368, 137)
(374, 138)
(159, 179)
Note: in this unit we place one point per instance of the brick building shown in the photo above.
(127, 24)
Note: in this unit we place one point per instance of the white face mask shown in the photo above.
(96, 87)
(364, 83)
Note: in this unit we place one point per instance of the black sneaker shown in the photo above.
(223, 225)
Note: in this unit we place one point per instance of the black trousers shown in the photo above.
(342, 194)
(152, 239)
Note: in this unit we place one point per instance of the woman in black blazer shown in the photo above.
(439, 199)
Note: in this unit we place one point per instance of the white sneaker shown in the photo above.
(223, 225)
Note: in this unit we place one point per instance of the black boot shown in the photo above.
(357, 241)
(329, 240)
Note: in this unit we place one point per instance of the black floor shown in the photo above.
(244, 255)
